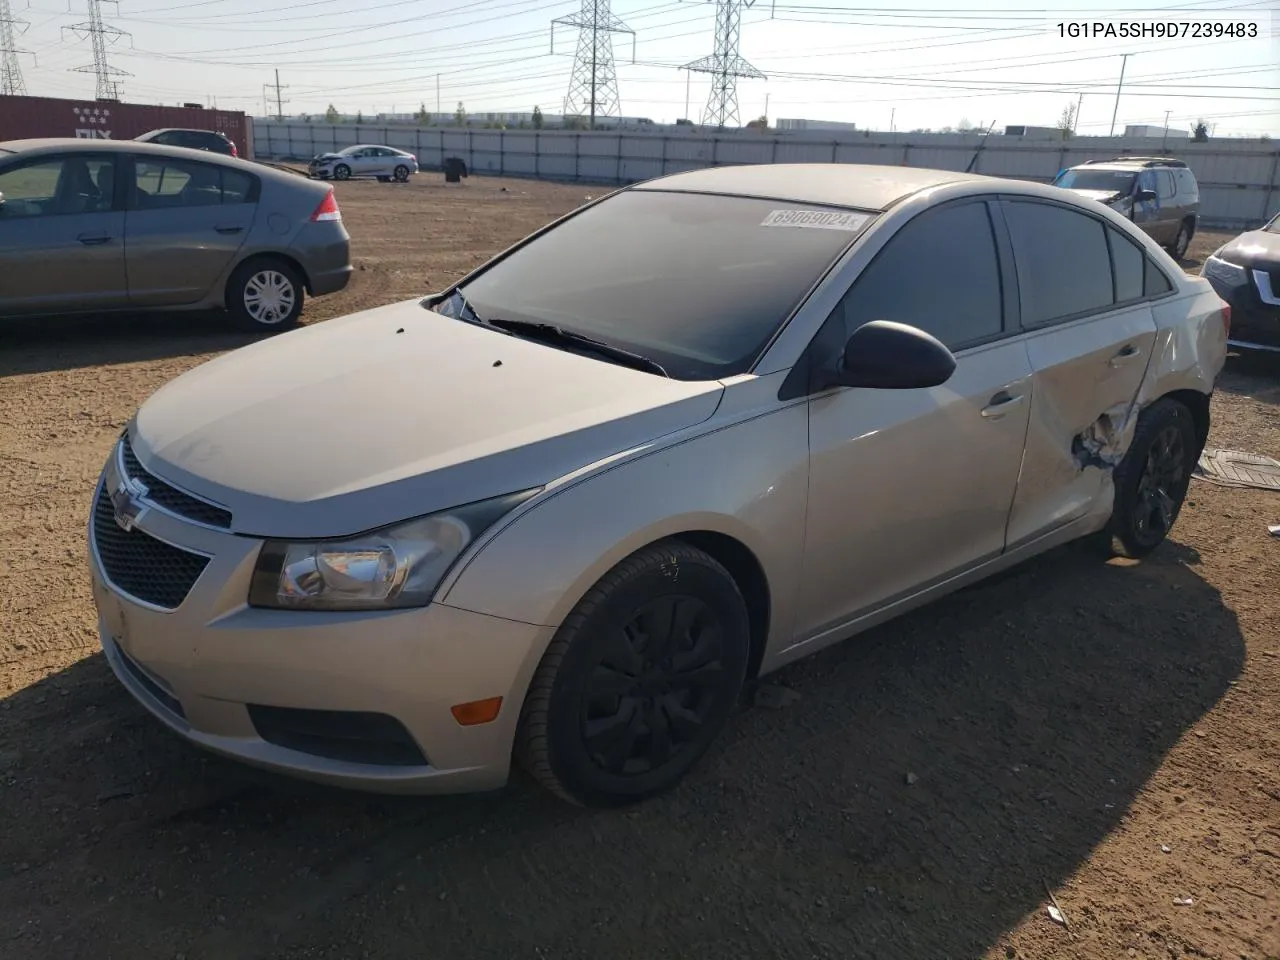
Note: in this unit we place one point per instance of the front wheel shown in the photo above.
(1152, 479)
(265, 296)
(342, 172)
(402, 173)
(638, 681)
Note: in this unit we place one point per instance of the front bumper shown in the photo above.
(295, 692)
(1255, 312)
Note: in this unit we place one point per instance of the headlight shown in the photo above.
(1222, 270)
(397, 566)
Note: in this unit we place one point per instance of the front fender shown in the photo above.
(747, 480)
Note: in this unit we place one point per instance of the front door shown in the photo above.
(62, 239)
(186, 222)
(1091, 337)
(908, 487)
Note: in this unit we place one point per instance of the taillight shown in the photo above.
(1226, 318)
(328, 209)
(234, 151)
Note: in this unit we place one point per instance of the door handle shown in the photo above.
(93, 239)
(229, 228)
(1127, 353)
(1001, 403)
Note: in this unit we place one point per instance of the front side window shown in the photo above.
(698, 283)
(1064, 264)
(940, 273)
(1164, 185)
(58, 186)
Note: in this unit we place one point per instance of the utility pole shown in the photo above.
(11, 84)
(593, 85)
(1075, 125)
(1116, 111)
(893, 112)
(279, 102)
(97, 32)
(437, 94)
(726, 65)
(688, 79)
(766, 110)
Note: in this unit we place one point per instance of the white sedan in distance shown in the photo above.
(365, 160)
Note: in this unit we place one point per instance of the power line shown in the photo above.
(593, 85)
(725, 65)
(97, 32)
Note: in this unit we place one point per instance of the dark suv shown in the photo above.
(192, 139)
(1159, 194)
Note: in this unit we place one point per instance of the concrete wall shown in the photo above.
(1239, 179)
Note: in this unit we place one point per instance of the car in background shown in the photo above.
(365, 160)
(210, 140)
(1246, 274)
(702, 427)
(91, 226)
(1159, 194)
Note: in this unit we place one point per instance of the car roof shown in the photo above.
(863, 186)
(216, 133)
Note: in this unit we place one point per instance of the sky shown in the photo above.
(935, 64)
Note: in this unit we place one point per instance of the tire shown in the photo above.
(342, 172)
(1181, 242)
(401, 173)
(1152, 479)
(599, 668)
(265, 296)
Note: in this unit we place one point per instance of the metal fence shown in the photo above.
(1239, 179)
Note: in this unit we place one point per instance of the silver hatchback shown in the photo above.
(698, 429)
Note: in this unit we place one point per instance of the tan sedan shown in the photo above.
(709, 424)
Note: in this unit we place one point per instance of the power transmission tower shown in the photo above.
(725, 65)
(593, 87)
(10, 73)
(98, 33)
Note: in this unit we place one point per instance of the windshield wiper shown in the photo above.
(551, 333)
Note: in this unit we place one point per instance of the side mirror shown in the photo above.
(1145, 195)
(884, 355)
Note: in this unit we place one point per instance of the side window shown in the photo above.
(237, 187)
(940, 273)
(164, 184)
(1165, 189)
(1064, 266)
(58, 186)
(1155, 282)
(1128, 263)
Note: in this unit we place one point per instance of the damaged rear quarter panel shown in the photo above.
(1190, 347)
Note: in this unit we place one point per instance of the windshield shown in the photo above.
(698, 283)
(1113, 181)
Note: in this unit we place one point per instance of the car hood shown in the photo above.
(328, 156)
(1102, 196)
(344, 426)
(1259, 248)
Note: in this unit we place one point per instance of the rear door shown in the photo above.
(908, 487)
(1085, 304)
(185, 222)
(62, 240)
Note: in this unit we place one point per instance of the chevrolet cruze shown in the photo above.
(564, 510)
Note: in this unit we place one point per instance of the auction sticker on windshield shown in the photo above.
(816, 219)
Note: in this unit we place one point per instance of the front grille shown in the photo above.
(172, 499)
(141, 565)
(348, 735)
(165, 698)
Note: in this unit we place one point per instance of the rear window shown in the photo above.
(699, 283)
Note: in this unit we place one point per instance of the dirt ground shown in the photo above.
(1109, 732)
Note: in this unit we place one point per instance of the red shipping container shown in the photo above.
(23, 118)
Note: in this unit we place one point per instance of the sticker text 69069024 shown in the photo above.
(815, 219)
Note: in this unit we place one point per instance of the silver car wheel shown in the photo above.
(269, 297)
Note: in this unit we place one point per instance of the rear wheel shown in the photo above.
(265, 296)
(402, 173)
(1152, 480)
(638, 681)
(342, 172)
(1182, 241)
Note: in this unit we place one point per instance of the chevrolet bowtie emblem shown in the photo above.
(127, 502)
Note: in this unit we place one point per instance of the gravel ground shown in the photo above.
(1109, 732)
